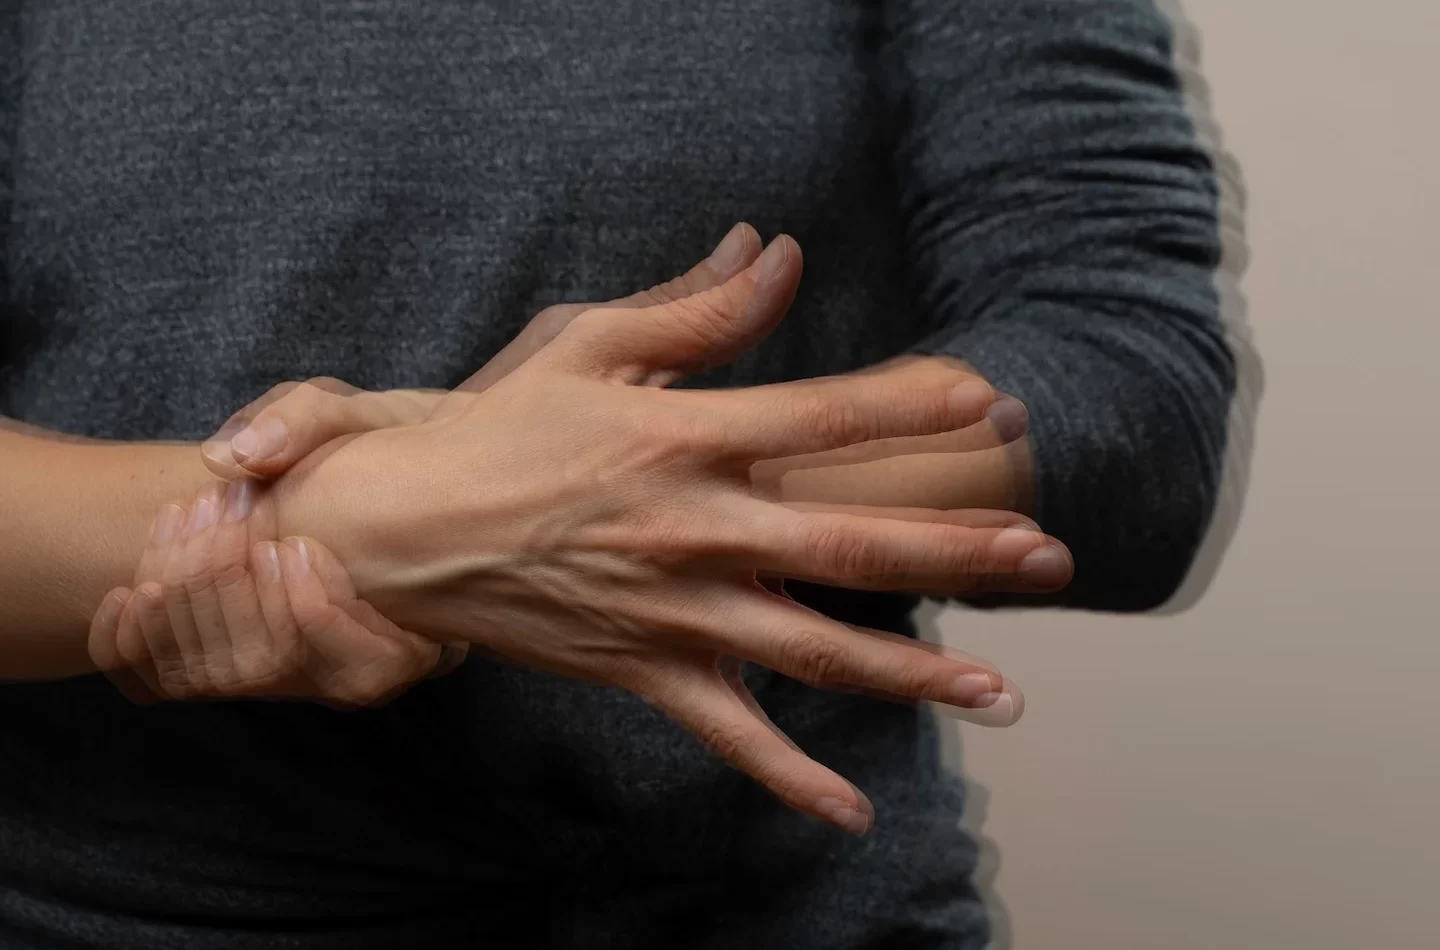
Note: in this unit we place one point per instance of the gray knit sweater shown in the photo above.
(199, 198)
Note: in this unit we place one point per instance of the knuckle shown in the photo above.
(726, 738)
(221, 678)
(373, 685)
(278, 392)
(813, 659)
(329, 386)
(841, 552)
(669, 291)
(229, 575)
(968, 566)
(836, 421)
(173, 679)
(195, 576)
(702, 318)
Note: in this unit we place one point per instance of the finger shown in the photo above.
(960, 517)
(215, 451)
(166, 527)
(1006, 421)
(1004, 710)
(238, 618)
(1000, 710)
(651, 345)
(104, 631)
(193, 574)
(737, 251)
(172, 664)
(334, 580)
(452, 657)
(349, 662)
(407, 657)
(740, 248)
(437, 659)
(311, 415)
(881, 553)
(136, 677)
(805, 645)
(700, 699)
(799, 418)
(104, 647)
(288, 656)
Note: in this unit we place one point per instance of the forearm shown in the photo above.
(76, 514)
(1064, 230)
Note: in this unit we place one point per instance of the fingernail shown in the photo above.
(110, 609)
(970, 395)
(260, 440)
(205, 513)
(239, 499)
(1047, 567)
(1015, 542)
(302, 550)
(971, 689)
(167, 525)
(772, 262)
(729, 254)
(147, 601)
(1000, 707)
(1009, 417)
(844, 815)
(269, 561)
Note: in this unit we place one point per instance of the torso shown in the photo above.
(208, 198)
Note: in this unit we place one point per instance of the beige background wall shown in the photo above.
(1262, 770)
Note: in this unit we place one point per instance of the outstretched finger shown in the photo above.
(1006, 422)
(1004, 709)
(737, 251)
(883, 553)
(821, 415)
(698, 696)
(805, 645)
(655, 345)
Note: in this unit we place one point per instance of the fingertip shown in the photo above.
(267, 561)
(845, 815)
(216, 455)
(262, 441)
(1009, 417)
(297, 563)
(148, 598)
(168, 523)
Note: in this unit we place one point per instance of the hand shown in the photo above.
(576, 521)
(221, 611)
(291, 421)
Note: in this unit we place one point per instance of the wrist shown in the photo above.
(375, 513)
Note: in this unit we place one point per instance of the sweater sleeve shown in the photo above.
(1062, 224)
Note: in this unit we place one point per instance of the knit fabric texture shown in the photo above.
(201, 198)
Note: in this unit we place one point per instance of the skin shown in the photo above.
(615, 587)
(636, 597)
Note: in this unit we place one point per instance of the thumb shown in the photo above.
(306, 417)
(657, 345)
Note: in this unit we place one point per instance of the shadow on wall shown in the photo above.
(1240, 436)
